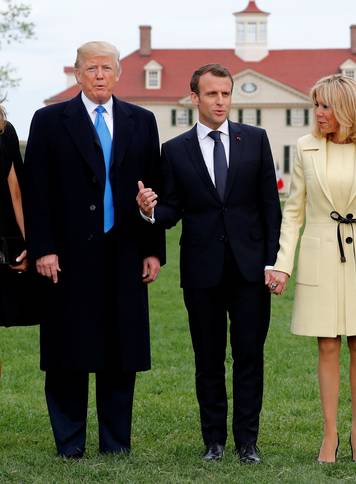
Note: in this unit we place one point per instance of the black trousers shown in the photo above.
(67, 401)
(248, 307)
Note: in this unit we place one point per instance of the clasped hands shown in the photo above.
(147, 200)
(276, 281)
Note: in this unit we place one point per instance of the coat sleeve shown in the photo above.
(154, 234)
(269, 202)
(169, 211)
(37, 200)
(293, 217)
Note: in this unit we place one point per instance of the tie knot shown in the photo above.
(215, 135)
(100, 109)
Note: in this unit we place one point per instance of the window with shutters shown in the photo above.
(290, 152)
(250, 116)
(297, 117)
(182, 117)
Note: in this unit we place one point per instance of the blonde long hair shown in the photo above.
(338, 92)
(2, 117)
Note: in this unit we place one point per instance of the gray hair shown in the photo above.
(95, 48)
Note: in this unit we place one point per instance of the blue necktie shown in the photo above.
(106, 143)
(220, 163)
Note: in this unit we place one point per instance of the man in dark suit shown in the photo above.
(82, 162)
(219, 179)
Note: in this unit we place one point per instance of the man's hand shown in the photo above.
(146, 199)
(48, 266)
(151, 268)
(276, 281)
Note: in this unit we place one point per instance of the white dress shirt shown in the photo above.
(207, 148)
(108, 114)
(207, 144)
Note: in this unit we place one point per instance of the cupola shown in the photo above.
(251, 33)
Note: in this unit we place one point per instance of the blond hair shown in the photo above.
(96, 48)
(2, 117)
(338, 92)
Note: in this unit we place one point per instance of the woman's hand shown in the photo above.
(276, 281)
(23, 266)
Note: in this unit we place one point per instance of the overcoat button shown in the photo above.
(94, 179)
(349, 216)
(222, 238)
(349, 240)
(90, 237)
(92, 208)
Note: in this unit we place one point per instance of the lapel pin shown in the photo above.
(238, 139)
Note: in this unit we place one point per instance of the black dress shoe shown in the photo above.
(214, 451)
(120, 451)
(72, 456)
(249, 454)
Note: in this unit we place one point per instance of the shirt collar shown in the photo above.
(90, 105)
(203, 130)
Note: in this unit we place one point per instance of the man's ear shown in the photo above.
(77, 76)
(194, 98)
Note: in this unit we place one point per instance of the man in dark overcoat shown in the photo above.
(219, 179)
(82, 163)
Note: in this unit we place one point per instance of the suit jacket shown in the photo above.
(248, 217)
(64, 187)
(315, 310)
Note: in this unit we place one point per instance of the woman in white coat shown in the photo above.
(323, 194)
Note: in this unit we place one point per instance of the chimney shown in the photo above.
(145, 40)
(353, 38)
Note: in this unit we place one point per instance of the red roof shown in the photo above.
(298, 69)
(252, 8)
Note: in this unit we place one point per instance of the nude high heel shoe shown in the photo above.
(336, 450)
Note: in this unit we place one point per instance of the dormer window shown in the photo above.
(350, 73)
(153, 80)
(153, 75)
(348, 69)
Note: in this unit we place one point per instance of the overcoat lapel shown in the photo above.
(196, 158)
(123, 130)
(237, 144)
(80, 129)
(318, 153)
(353, 189)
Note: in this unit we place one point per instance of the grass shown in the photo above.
(166, 436)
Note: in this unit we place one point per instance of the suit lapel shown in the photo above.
(123, 130)
(196, 158)
(237, 144)
(81, 130)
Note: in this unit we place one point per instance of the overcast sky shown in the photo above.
(63, 25)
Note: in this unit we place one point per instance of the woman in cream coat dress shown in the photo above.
(323, 194)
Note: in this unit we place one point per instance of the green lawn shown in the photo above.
(166, 439)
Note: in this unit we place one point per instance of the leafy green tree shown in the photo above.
(15, 26)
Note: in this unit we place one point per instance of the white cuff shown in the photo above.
(149, 219)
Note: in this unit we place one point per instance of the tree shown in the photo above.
(15, 26)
